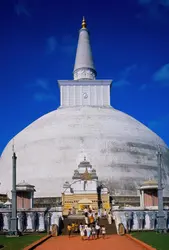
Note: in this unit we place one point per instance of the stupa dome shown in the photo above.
(119, 148)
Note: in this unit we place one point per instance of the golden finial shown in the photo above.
(84, 23)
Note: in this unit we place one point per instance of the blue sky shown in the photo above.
(130, 44)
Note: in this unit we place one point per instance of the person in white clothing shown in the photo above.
(109, 218)
(93, 231)
(85, 229)
(97, 227)
(103, 230)
(82, 231)
(86, 219)
(105, 213)
(88, 229)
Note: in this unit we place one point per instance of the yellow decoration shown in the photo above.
(81, 207)
(107, 206)
(86, 176)
(67, 206)
(84, 23)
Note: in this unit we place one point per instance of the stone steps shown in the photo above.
(110, 228)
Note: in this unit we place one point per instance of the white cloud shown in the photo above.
(144, 1)
(162, 75)
(42, 84)
(164, 3)
(153, 11)
(143, 87)
(40, 96)
(39, 83)
(42, 90)
(20, 9)
(121, 83)
(51, 44)
(66, 45)
(160, 125)
(124, 75)
(128, 70)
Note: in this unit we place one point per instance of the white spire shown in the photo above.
(84, 67)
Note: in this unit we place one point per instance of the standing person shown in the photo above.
(93, 231)
(103, 230)
(88, 229)
(85, 229)
(82, 231)
(86, 211)
(105, 213)
(91, 219)
(80, 227)
(97, 227)
(109, 218)
(69, 229)
(73, 227)
(99, 214)
(96, 218)
(76, 227)
(86, 219)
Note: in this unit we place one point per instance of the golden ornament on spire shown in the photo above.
(84, 23)
(86, 176)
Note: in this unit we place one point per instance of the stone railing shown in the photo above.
(31, 220)
(117, 220)
(137, 220)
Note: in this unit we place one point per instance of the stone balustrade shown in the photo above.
(137, 220)
(31, 220)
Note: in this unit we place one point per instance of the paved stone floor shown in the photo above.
(114, 242)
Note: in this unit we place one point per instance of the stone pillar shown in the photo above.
(41, 222)
(152, 216)
(33, 218)
(142, 198)
(20, 222)
(141, 219)
(29, 226)
(48, 222)
(129, 219)
(6, 221)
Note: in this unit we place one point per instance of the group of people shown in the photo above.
(92, 228)
(87, 231)
(92, 231)
(92, 217)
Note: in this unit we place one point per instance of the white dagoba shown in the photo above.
(120, 148)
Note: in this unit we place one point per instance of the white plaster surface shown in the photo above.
(121, 149)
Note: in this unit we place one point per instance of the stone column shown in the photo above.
(33, 218)
(19, 216)
(152, 216)
(1, 222)
(41, 222)
(129, 219)
(48, 222)
(142, 198)
(29, 226)
(6, 221)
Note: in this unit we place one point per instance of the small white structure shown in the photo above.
(84, 189)
(85, 180)
(8, 204)
(149, 194)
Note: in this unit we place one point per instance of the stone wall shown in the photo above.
(32, 220)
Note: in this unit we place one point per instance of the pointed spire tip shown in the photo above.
(84, 23)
